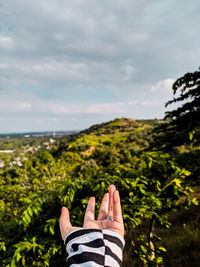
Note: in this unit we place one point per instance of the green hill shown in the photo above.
(43, 174)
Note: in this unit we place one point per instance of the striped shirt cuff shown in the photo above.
(94, 247)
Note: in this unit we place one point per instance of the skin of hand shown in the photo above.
(110, 206)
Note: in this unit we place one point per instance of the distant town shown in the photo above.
(36, 134)
(14, 154)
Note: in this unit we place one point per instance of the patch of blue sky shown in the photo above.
(96, 95)
(10, 29)
(77, 95)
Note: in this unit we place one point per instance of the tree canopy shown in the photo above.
(182, 124)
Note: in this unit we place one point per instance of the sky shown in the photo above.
(69, 64)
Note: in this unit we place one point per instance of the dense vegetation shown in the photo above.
(159, 191)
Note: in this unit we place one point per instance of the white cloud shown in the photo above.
(128, 71)
(109, 108)
(8, 83)
(65, 109)
(3, 66)
(106, 108)
(6, 42)
(22, 104)
(13, 105)
(50, 49)
(25, 106)
(151, 103)
(165, 85)
(89, 43)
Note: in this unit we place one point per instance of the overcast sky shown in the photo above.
(68, 64)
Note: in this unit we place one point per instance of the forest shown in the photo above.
(155, 165)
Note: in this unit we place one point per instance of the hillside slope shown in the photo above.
(41, 176)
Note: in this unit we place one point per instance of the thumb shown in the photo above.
(65, 224)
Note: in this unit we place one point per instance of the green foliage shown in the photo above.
(182, 125)
(152, 185)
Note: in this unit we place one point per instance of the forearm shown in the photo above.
(94, 247)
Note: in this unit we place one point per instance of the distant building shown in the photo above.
(6, 151)
(29, 149)
(46, 143)
(17, 162)
(2, 163)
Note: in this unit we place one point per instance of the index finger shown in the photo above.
(103, 208)
(90, 210)
(64, 222)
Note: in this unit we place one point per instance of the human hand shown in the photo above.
(110, 207)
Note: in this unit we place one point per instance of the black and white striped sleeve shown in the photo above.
(94, 247)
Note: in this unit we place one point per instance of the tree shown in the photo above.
(182, 125)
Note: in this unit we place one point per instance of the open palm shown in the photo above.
(110, 207)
